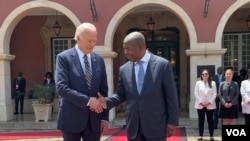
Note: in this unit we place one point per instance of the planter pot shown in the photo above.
(43, 112)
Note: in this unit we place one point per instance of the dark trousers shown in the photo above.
(141, 137)
(19, 97)
(86, 135)
(201, 121)
(247, 119)
(216, 112)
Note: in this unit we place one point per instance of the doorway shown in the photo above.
(165, 43)
(162, 42)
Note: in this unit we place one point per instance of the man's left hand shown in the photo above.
(104, 125)
(170, 130)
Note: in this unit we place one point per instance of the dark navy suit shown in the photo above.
(74, 115)
(217, 100)
(19, 86)
(156, 106)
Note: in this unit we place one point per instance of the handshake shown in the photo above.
(97, 104)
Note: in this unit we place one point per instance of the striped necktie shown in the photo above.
(88, 74)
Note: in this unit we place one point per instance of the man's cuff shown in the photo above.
(88, 102)
(105, 121)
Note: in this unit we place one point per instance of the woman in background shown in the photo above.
(49, 82)
(228, 95)
(205, 93)
(245, 94)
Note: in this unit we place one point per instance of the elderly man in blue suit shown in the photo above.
(80, 75)
(147, 85)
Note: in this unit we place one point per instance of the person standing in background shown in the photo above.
(80, 75)
(50, 83)
(240, 78)
(228, 94)
(218, 78)
(19, 86)
(245, 93)
(147, 85)
(205, 93)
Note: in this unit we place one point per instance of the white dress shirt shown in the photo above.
(81, 58)
(203, 93)
(245, 93)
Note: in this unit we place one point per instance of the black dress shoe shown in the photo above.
(15, 113)
(21, 113)
(212, 139)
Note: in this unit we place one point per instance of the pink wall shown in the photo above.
(205, 27)
(81, 8)
(105, 10)
(26, 43)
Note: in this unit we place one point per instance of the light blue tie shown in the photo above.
(220, 78)
(140, 76)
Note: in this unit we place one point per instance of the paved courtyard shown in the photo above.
(22, 123)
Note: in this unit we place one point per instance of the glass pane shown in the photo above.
(59, 45)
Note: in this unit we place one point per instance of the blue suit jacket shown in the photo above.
(21, 83)
(156, 106)
(74, 94)
(216, 80)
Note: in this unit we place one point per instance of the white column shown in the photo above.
(201, 54)
(108, 58)
(6, 108)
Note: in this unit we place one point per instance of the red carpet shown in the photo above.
(30, 135)
(180, 135)
(45, 134)
(116, 134)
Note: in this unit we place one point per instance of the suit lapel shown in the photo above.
(149, 73)
(94, 68)
(77, 63)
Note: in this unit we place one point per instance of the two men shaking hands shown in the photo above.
(97, 104)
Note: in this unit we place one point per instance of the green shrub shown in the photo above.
(42, 94)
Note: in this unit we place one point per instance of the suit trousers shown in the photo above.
(216, 112)
(86, 135)
(247, 119)
(19, 97)
(141, 137)
(201, 121)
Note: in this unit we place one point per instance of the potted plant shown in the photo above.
(42, 101)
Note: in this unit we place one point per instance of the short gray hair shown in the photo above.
(135, 38)
(80, 29)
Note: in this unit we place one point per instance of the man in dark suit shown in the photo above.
(218, 78)
(80, 75)
(19, 86)
(151, 109)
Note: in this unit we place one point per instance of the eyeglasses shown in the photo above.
(204, 74)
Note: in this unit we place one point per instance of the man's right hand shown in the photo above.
(95, 105)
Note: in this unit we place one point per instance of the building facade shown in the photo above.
(192, 36)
